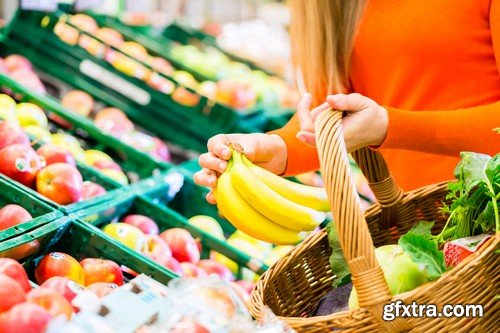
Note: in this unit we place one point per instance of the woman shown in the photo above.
(420, 81)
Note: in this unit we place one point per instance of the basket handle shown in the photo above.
(354, 235)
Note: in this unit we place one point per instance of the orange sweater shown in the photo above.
(435, 66)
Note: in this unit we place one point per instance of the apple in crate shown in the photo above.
(15, 270)
(16, 61)
(29, 79)
(71, 143)
(3, 67)
(64, 286)
(102, 289)
(207, 224)
(174, 265)
(52, 301)
(143, 223)
(79, 102)
(113, 121)
(157, 249)
(127, 234)
(23, 250)
(11, 293)
(110, 36)
(39, 134)
(7, 108)
(182, 244)
(31, 114)
(25, 318)
(61, 183)
(12, 215)
(91, 190)
(11, 133)
(21, 163)
(213, 267)
(191, 270)
(101, 270)
(56, 154)
(59, 264)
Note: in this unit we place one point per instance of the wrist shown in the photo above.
(382, 125)
(280, 156)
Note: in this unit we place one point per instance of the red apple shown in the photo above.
(28, 79)
(91, 190)
(113, 121)
(59, 264)
(61, 183)
(23, 250)
(56, 154)
(161, 150)
(25, 318)
(102, 289)
(15, 270)
(102, 165)
(3, 67)
(12, 215)
(16, 61)
(79, 102)
(21, 163)
(157, 249)
(185, 97)
(174, 266)
(162, 66)
(64, 286)
(11, 133)
(11, 293)
(143, 223)
(191, 270)
(182, 244)
(213, 267)
(51, 300)
(129, 271)
(101, 270)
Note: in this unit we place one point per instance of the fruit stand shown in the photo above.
(106, 225)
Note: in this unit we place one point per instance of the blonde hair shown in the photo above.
(322, 34)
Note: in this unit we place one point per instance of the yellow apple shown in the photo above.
(208, 224)
(127, 234)
(38, 133)
(116, 175)
(71, 143)
(92, 156)
(31, 114)
(7, 108)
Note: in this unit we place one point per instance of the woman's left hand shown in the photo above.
(365, 123)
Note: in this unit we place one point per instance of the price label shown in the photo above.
(114, 82)
(41, 5)
(81, 5)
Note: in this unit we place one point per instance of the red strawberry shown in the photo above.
(459, 249)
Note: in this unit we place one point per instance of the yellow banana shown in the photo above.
(245, 218)
(309, 196)
(269, 203)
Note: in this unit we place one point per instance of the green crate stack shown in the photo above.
(31, 34)
(166, 218)
(80, 240)
(40, 211)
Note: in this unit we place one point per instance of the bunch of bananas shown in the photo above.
(266, 206)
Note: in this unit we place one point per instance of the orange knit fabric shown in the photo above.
(435, 66)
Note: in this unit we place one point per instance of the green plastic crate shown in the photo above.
(30, 33)
(165, 218)
(80, 240)
(40, 211)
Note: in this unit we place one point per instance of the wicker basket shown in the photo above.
(294, 285)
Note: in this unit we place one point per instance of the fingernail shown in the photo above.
(225, 152)
(222, 166)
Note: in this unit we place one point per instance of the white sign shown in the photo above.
(42, 5)
(81, 5)
(115, 82)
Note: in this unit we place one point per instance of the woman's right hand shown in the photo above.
(265, 150)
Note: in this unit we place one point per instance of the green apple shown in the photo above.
(208, 224)
(7, 108)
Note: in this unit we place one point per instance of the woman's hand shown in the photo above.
(365, 123)
(266, 151)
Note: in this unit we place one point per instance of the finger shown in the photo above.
(351, 102)
(205, 178)
(319, 109)
(212, 162)
(307, 137)
(304, 114)
(211, 198)
(219, 146)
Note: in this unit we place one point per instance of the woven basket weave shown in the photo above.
(294, 285)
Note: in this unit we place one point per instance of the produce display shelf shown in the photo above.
(166, 218)
(40, 211)
(80, 240)
(31, 33)
(136, 164)
(188, 35)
